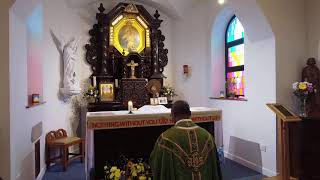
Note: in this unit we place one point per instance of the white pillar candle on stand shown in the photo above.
(94, 81)
(130, 106)
(116, 83)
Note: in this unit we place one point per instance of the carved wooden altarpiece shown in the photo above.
(126, 51)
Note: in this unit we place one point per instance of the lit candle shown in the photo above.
(94, 81)
(130, 106)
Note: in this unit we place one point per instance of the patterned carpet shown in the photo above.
(75, 171)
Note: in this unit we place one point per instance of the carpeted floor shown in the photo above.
(75, 171)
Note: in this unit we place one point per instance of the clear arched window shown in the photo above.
(234, 58)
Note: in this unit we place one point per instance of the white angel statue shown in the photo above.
(69, 55)
(68, 50)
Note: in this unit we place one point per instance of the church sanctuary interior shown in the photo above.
(87, 85)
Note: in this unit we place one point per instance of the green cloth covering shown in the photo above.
(185, 152)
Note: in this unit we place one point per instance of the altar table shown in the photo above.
(122, 119)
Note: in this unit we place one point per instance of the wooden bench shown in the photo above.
(59, 140)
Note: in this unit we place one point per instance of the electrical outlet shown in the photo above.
(263, 148)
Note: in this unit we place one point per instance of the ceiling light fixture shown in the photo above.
(221, 1)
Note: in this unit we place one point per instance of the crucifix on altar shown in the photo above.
(133, 65)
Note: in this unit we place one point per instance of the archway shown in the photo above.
(242, 134)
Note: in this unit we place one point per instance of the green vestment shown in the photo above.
(185, 152)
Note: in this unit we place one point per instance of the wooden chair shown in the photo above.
(59, 140)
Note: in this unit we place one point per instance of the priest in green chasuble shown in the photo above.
(185, 151)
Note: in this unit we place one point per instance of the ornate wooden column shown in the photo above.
(103, 22)
(159, 54)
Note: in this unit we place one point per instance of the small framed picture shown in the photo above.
(35, 98)
(163, 100)
(106, 90)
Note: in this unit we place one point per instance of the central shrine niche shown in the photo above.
(128, 35)
(126, 51)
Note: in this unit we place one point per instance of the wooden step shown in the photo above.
(278, 178)
(273, 178)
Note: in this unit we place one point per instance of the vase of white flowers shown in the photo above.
(169, 92)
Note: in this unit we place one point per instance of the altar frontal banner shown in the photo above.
(113, 121)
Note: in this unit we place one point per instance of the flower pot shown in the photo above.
(170, 99)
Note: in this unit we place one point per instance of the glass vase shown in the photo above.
(170, 98)
(302, 108)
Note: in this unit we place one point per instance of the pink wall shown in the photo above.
(35, 55)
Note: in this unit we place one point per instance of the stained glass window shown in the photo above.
(236, 55)
(235, 58)
(235, 30)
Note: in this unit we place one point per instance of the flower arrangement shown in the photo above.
(168, 91)
(128, 170)
(302, 89)
(91, 94)
(232, 87)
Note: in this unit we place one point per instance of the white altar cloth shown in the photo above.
(122, 119)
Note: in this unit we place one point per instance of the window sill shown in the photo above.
(229, 98)
(34, 105)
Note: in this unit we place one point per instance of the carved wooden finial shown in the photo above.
(101, 8)
(156, 15)
(131, 8)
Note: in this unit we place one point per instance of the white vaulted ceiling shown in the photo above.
(173, 8)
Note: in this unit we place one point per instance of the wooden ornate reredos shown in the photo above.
(128, 33)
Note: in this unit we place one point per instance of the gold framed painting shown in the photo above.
(129, 34)
(106, 90)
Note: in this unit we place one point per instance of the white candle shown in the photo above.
(94, 81)
(116, 82)
(130, 106)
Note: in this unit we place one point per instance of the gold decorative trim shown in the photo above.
(167, 148)
(175, 144)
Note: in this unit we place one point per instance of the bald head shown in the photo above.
(180, 110)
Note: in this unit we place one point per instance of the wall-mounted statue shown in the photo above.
(311, 73)
(68, 51)
(70, 77)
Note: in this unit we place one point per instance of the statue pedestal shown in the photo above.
(68, 93)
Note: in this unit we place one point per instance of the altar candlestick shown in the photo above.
(130, 106)
(116, 83)
(94, 81)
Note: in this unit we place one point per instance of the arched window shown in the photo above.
(234, 53)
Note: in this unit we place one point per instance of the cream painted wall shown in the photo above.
(289, 26)
(4, 95)
(313, 29)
